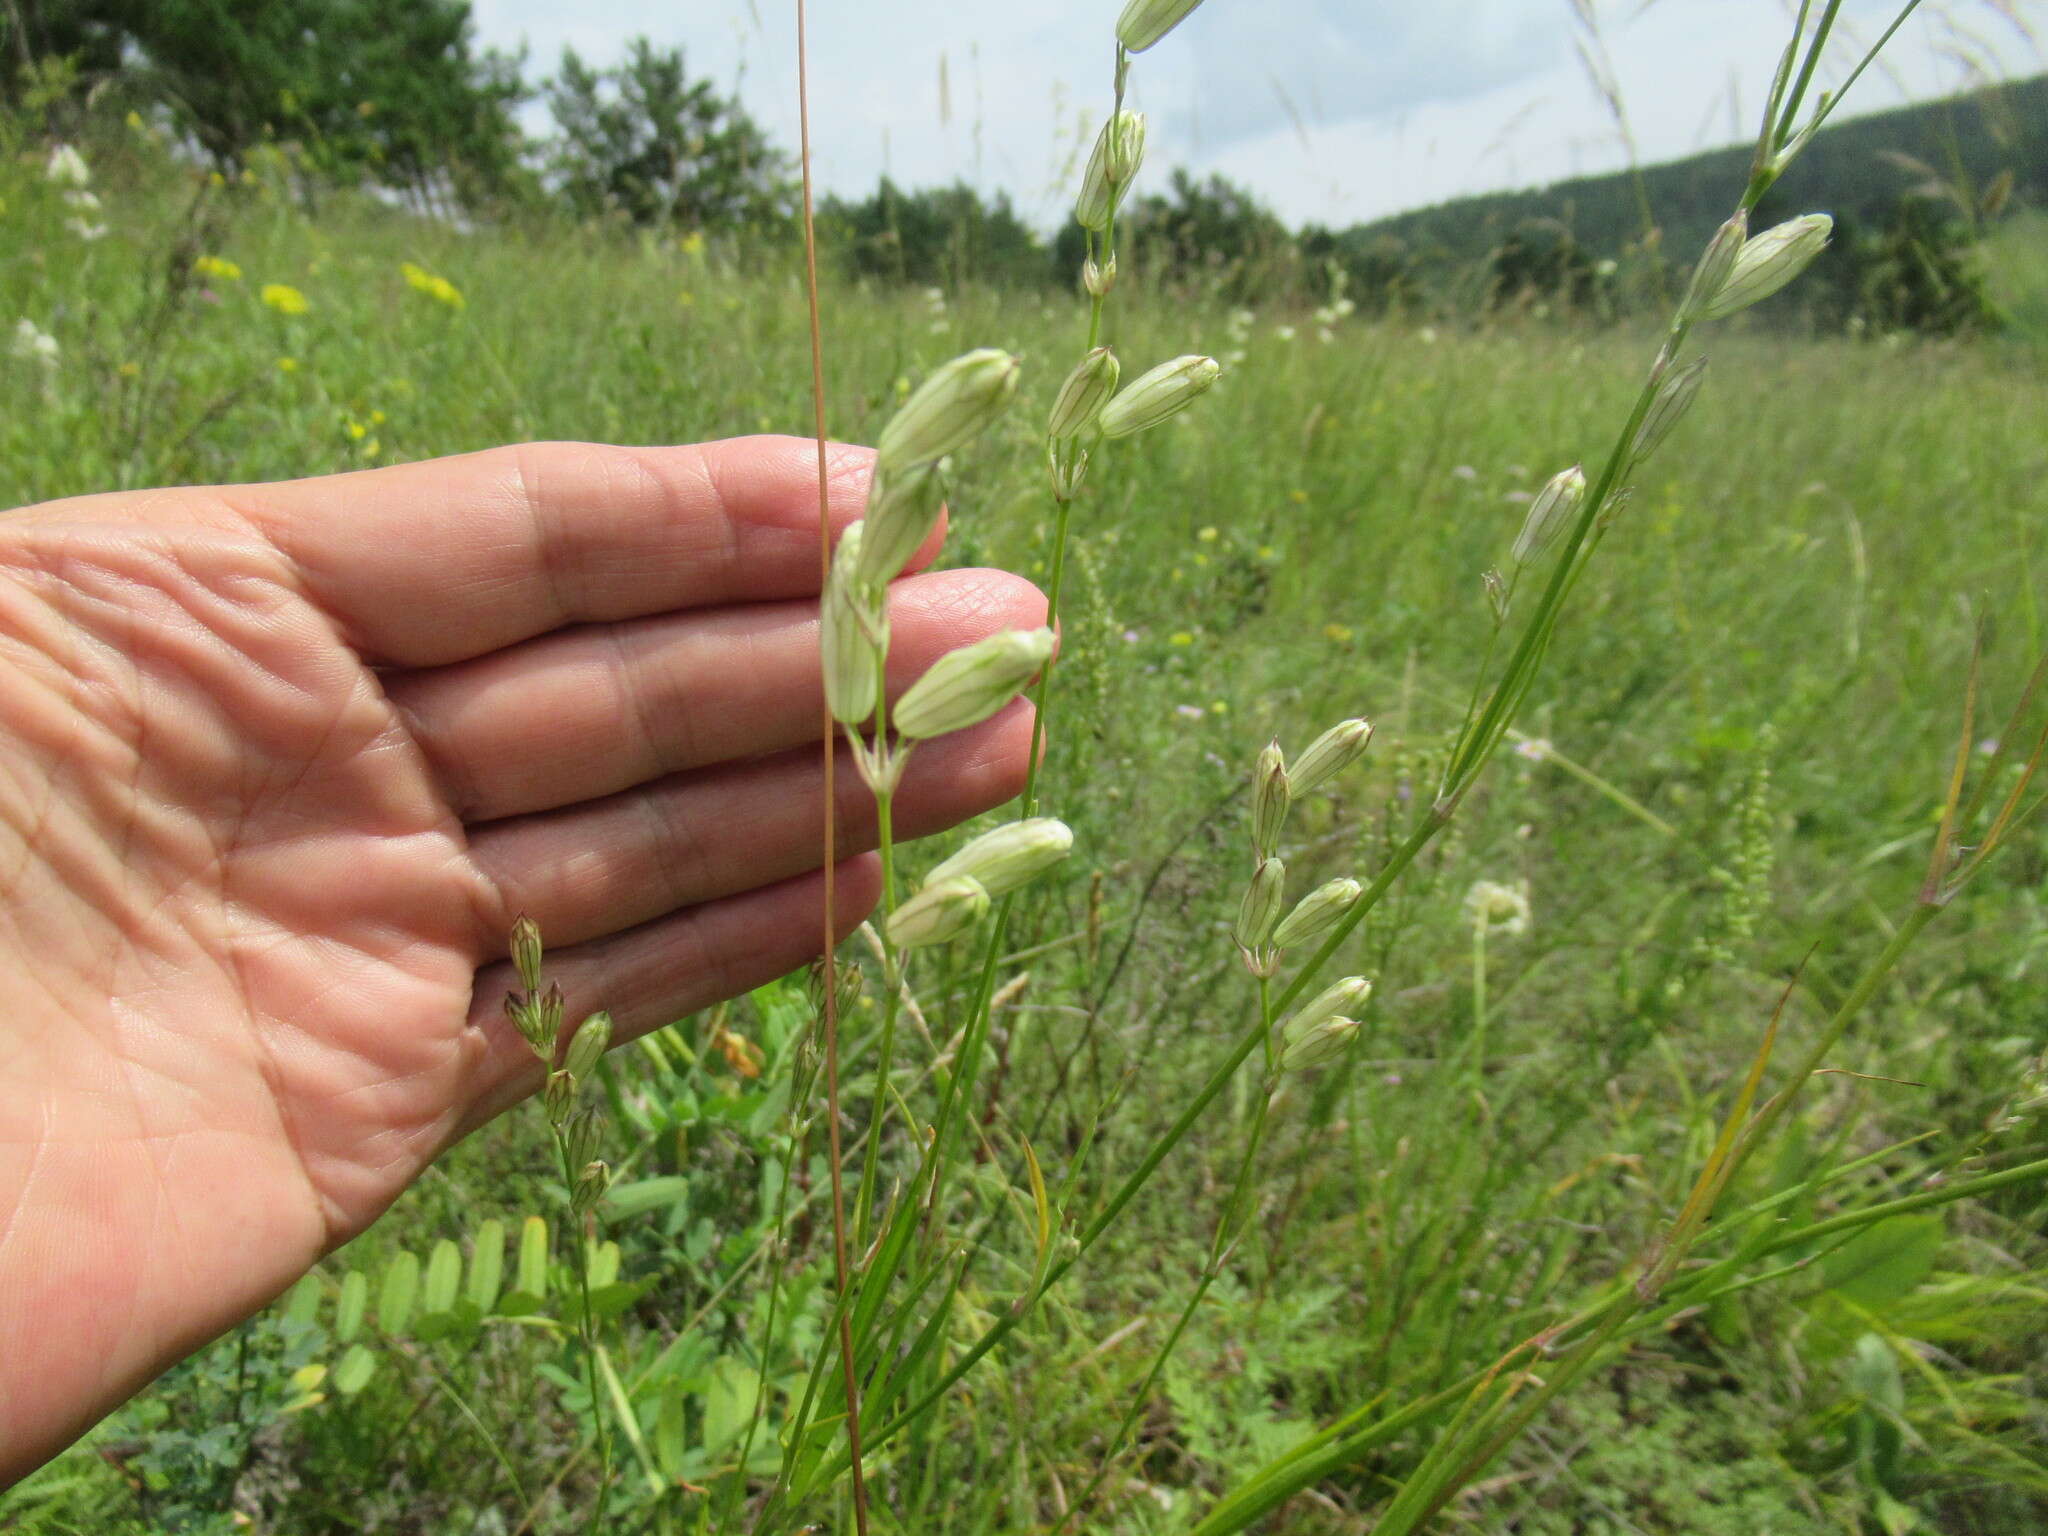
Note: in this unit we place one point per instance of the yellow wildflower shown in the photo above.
(438, 289)
(693, 243)
(1207, 535)
(218, 266)
(357, 430)
(285, 299)
(1341, 633)
(1181, 637)
(287, 365)
(129, 370)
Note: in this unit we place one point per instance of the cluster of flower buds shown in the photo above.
(1319, 1030)
(953, 897)
(1735, 271)
(1264, 925)
(536, 1013)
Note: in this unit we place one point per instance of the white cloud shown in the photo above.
(1330, 110)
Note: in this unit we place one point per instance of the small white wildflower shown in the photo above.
(82, 200)
(31, 341)
(85, 231)
(1283, 333)
(1427, 335)
(1499, 908)
(67, 167)
(1535, 748)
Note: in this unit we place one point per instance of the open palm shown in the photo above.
(278, 767)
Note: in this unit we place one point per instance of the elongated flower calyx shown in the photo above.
(1144, 22)
(1550, 513)
(966, 686)
(1119, 149)
(1270, 798)
(1673, 399)
(947, 410)
(1318, 1046)
(855, 641)
(1260, 908)
(903, 508)
(1081, 398)
(1010, 856)
(1716, 262)
(939, 913)
(1769, 262)
(1317, 913)
(1157, 394)
(1340, 997)
(1329, 755)
(587, 1045)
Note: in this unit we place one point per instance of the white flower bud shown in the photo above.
(938, 914)
(948, 409)
(1260, 908)
(1006, 858)
(1119, 148)
(1716, 262)
(1098, 279)
(1318, 1046)
(1271, 795)
(1673, 399)
(1342, 997)
(588, 1045)
(1769, 262)
(903, 508)
(966, 686)
(1082, 397)
(1317, 912)
(1550, 513)
(1157, 394)
(1330, 754)
(855, 635)
(1144, 22)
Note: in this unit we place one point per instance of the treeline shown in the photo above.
(397, 94)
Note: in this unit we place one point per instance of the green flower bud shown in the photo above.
(1550, 513)
(1082, 397)
(1340, 997)
(1716, 262)
(1119, 148)
(1317, 912)
(1330, 754)
(1769, 262)
(1318, 1046)
(854, 634)
(1260, 908)
(1008, 857)
(591, 1184)
(1154, 396)
(938, 914)
(579, 1136)
(560, 1095)
(1270, 798)
(526, 951)
(1673, 399)
(587, 1045)
(949, 409)
(903, 508)
(1144, 22)
(966, 686)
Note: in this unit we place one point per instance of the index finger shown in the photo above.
(429, 563)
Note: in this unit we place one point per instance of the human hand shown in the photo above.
(280, 764)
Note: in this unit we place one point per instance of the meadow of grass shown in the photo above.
(1735, 762)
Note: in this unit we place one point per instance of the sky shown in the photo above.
(1331, 111)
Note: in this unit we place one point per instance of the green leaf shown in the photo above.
(395, 1299)
(671, 1437)
(1885, 1262)
(644, 1195)
(348, 1310)
(487, 1265)
(302, 1301)
(444, 1278)
(533, 1257)
(604, 1265)
(729, 1402)
(355, 1370)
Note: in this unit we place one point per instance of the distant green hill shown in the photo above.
(1852, 170)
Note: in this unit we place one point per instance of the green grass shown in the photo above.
(1768, 659)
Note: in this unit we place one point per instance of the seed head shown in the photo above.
(1260, 908)
(948, 409)
(1157, 394)
(1330, 754)
(1769, 262)
(1010, 856)
(1082, 397)
(1673, 399)
(587, 1046)
(1119, 148)
(1716, 262)
(966, 686)
(1317, 912)
(1550, 513)
(855, 634)
(941, 912)
(1270, 798)
(903, 507)
(1144, 22)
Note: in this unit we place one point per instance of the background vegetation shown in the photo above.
(1739, 753)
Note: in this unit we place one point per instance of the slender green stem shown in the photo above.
(1479, 1001)
(892, 984)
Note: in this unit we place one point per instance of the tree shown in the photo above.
(644, 140)
(942, 235)
(1211, 232)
